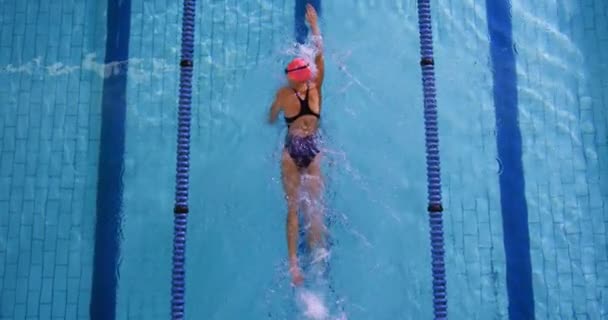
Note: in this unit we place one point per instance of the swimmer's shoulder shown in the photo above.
(280, 98)
(284, 90)
(283, 93)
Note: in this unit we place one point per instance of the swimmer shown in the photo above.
(300, 102)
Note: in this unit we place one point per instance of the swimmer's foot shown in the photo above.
(296, 274)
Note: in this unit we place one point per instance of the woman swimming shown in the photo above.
(300, 102)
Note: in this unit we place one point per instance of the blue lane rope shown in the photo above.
(180, 210)
(435, 209)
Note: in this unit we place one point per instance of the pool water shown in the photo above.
(54, 76)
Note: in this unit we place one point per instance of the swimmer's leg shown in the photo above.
(313, 183)
(291, 185)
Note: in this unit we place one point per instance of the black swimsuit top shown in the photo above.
(304, 109)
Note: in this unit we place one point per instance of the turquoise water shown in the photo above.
(51, 76)
(51, 68)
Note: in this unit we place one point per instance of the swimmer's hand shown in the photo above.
(312, 19)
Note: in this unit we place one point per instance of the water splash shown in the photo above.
(307, 51)
(312, 305)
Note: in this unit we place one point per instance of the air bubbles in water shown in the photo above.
(499, 166)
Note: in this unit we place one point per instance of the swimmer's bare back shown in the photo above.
(289, 97)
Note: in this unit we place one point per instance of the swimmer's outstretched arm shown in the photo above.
(311, 17)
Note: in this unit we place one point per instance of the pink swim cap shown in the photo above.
(298, 70)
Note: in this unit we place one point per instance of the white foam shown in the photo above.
(306, 51)
(319, 255)
(313, 305)
(342, 316)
